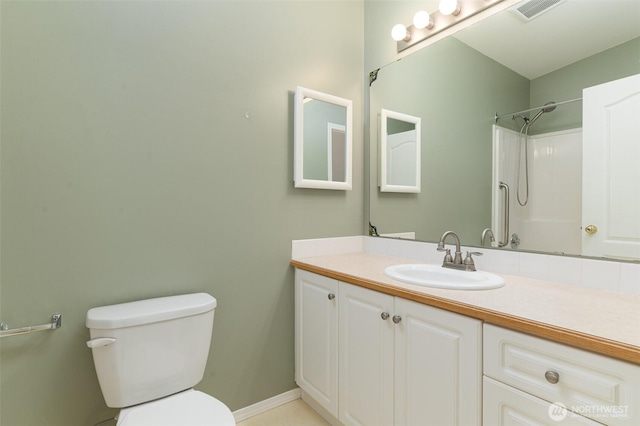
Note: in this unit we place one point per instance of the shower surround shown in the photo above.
(551, 219)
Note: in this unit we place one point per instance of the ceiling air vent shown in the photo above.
(534, 8)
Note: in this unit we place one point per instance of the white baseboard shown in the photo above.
(266, 405)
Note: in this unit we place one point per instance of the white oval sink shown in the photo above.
(439, 277)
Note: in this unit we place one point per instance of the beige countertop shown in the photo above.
(600, 321)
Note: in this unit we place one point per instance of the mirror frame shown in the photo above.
(298, 140)
(384, 184)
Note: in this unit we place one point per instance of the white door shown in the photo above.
(438, 367)
(316, 343)
(611, 169)
(366, 356)
(337, 152)
(401, 158)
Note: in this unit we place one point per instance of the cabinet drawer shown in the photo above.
(604, 389)
(504, 405)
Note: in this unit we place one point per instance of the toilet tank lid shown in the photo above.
(150, 310)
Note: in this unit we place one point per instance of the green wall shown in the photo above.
(146, 150)
(568, 82)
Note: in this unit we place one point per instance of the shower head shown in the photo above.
(549, 108)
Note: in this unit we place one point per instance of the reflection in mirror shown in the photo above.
(400, 141)
(322, 140)
(492, 68)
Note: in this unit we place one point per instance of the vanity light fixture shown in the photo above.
(425, 24)
(449, 7)
(422, 19)
(399, 33)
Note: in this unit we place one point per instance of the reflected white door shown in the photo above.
(611, 169)
(401, 158)
(337, 152)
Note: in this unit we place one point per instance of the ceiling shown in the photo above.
(570, 31)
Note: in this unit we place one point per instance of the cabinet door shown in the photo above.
(438, 366)
(316, 331)
(507, 406)
(366, 356)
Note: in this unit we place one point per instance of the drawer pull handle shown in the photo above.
(552, 377)
(331, 296)
(384, 315)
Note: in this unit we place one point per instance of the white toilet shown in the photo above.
(148, 356)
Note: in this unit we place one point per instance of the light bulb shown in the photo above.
(449, 7)
(422, 20)
(399, 32)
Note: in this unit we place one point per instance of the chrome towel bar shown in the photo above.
(56, 322)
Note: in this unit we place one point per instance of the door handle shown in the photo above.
(591, 229)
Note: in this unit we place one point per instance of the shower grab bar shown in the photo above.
(513, 114)
(56, 322)
(505, 223)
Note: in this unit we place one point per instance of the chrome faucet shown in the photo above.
(456, 262)
(447, 258)
(489, 232)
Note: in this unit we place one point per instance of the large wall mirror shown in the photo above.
(509, 67)
(322, 140)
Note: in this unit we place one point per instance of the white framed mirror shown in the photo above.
(400, 140)
(322, 140)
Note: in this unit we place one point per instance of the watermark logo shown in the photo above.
(557, 411)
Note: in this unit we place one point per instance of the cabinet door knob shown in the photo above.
(384, 315)
(396, 319)
(552, 377)
(331, 296)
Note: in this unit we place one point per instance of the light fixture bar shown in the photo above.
(442, 22)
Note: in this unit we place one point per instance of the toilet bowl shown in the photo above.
(149, 354)
(189, 407)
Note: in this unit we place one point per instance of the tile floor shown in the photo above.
(294, 413)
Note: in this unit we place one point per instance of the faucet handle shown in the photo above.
(468, 261)
(447, 257)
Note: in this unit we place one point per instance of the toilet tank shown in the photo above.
(149, 349)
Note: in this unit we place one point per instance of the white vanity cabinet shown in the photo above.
(366, 355)
(406, 363)
(525, 375)
(316, 335)
(369, 358)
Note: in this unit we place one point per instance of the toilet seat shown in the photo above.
(187, 408)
